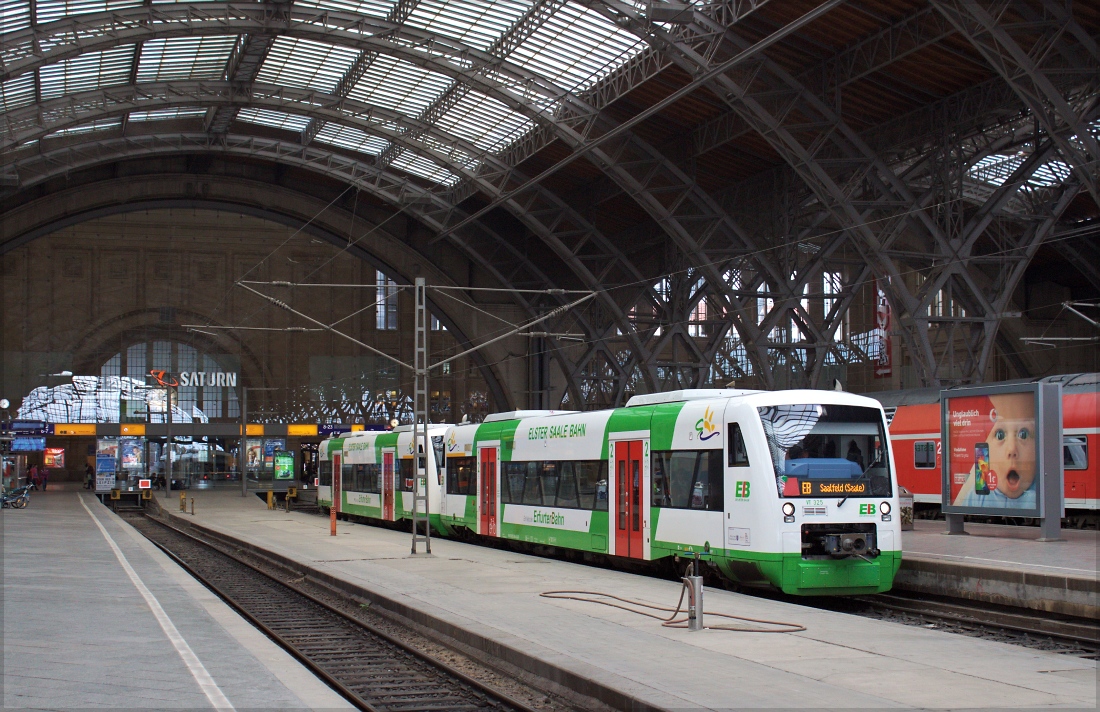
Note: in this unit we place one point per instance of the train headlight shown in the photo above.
(884, 508)
(788, 512)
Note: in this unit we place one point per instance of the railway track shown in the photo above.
(370, 668)
(1032, 629)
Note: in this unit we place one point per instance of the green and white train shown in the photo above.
(796, 489)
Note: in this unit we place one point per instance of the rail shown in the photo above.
(368, 667)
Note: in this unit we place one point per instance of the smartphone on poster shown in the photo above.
(981, 468)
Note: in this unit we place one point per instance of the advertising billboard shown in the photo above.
(54, 457)
(271, 445)
(106, 462)
(284, 465)
(254, 453)
(131, 452)
(992, 446)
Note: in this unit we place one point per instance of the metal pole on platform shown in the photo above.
(168, 422)
(242, 449)
(420, 427)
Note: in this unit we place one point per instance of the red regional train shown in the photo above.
(914, 417)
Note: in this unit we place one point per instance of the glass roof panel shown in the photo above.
(351, 138)
(398, 85)
(161, 114)
(184, 58)
(17, 92)
(576, 47)
(485, 122)
(375, 8)
(97, 125)
(48, 10)
(422, 167)
(475, 22)
(14, 15)
(277, 119)
(87, 71)
(306, 64)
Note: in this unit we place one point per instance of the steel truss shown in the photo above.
(655, 183)
(510, 267)
(882, 193)
(860, 191)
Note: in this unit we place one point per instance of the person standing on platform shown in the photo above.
(44, 475)
(32, 477)
(89, 476)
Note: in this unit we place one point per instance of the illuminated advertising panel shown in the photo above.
(54, 457)
(106, 462)
(992, 446)
(271, 445)
(284, 465)
(254, 453)
(131, 452)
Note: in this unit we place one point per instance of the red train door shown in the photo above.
(628, 499)
(489, 491)
(387, 486)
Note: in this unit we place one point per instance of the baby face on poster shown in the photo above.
(1012, 450)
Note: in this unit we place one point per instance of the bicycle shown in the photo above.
(17, 498)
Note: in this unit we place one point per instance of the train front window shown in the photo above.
(827, 450)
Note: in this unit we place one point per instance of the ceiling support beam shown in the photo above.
(994, 29)
(244, 64)
(363, 62)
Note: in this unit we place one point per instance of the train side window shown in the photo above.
(324, 473)
(737, 455)
(405, 480)
(1075, 452)
(460, 475)
(924, 454)
(688, 479)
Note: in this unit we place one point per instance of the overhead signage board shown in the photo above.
(74, 429)
(993, 444)
(30, 427)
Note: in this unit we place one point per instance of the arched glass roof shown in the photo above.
(451, 80)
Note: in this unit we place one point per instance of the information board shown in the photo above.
(28, 444)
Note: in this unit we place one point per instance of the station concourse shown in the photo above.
(808, 290)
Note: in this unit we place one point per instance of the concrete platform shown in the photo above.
(488, 599)
(1004, 564)
(79, 631)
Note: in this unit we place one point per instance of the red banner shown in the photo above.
(884, 367)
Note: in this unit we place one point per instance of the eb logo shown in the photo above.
(807, 488)
(867, 509)
(741, 490)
